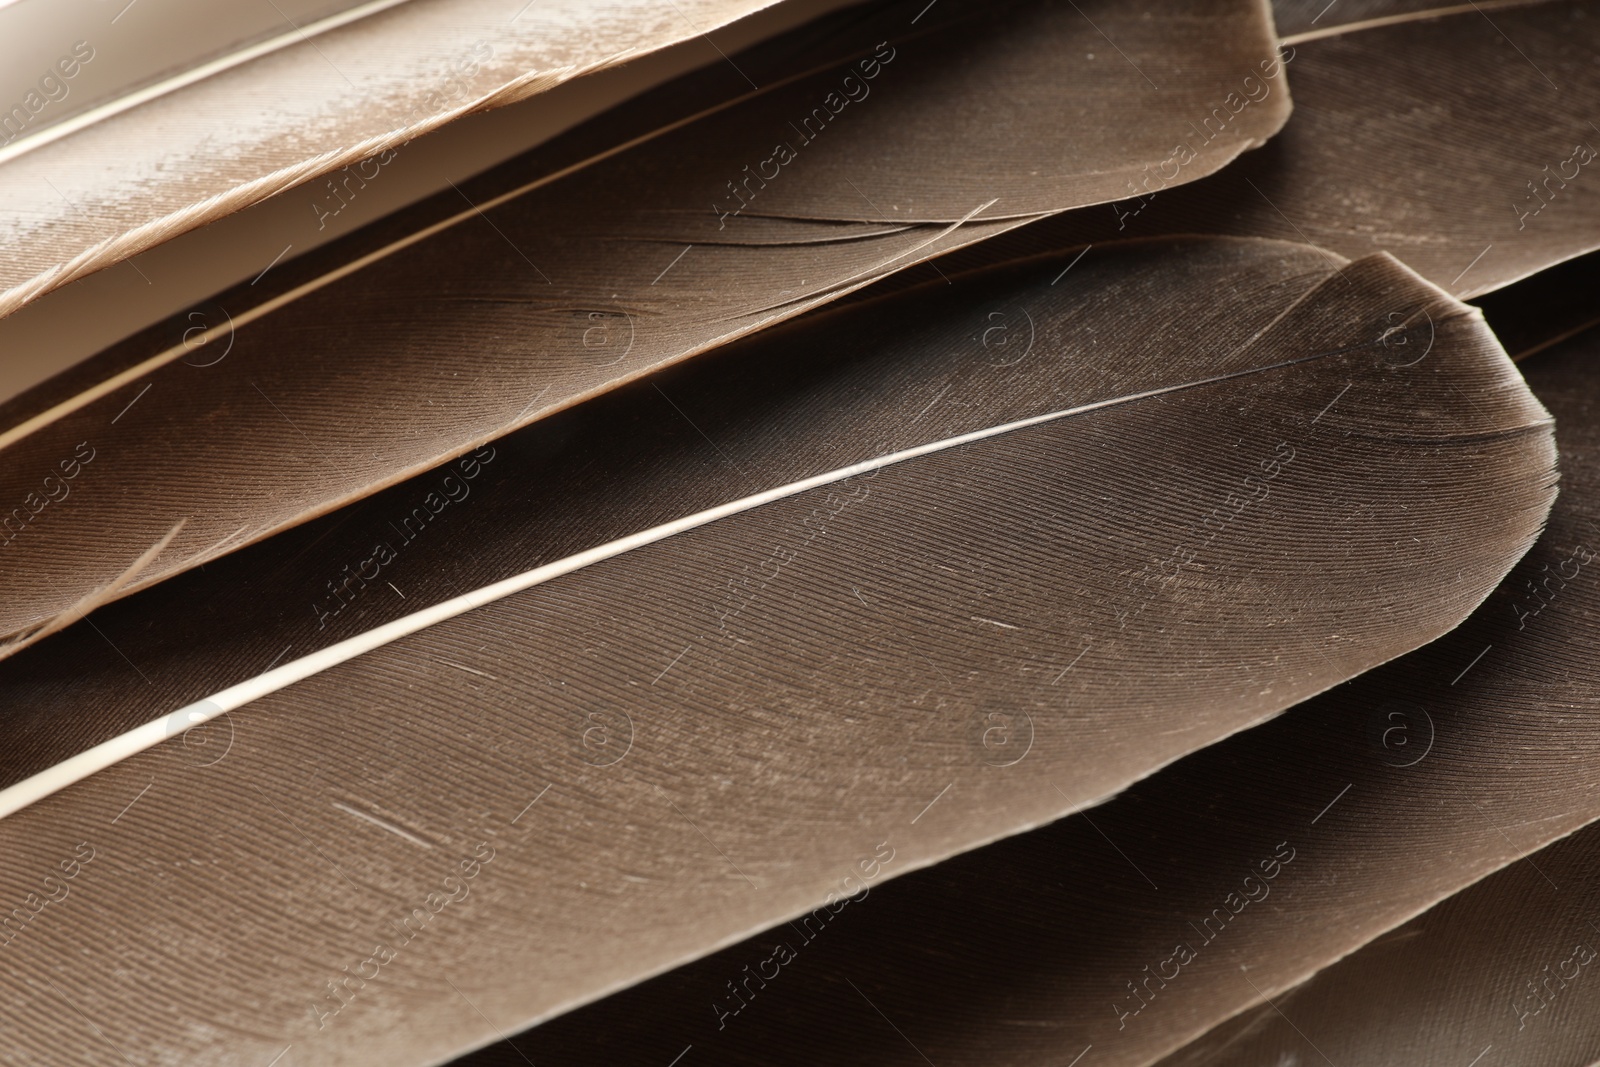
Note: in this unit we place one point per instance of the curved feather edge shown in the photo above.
(1436, 774)
(1309, 20)
(1517, 943)
(1360, 167)
(1326, 360)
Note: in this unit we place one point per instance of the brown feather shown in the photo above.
(253, 247)
(828, 714)
(631, 264)
(1434, 140)
(135, 179)
(1304, 19)
(1499, 963)
(1405, 785)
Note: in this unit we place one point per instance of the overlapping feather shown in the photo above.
(325, 99)
(571, 287)
(786, 636)
(791, 679)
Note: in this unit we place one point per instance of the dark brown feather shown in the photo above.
(1501, 972)
(1504, 970)
(1312, 18)
(1393, 791)
(1442, 141)
(633, 263)
(829, 714)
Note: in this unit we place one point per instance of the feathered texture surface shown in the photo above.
(1463, 144)
(85, 201)
(1301, 19)
(261, 242)
(132, 59)
(1499, 971)
(1503, 971)
(1227, 879)
(637, 261)
(630, 764)
(576, 484)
